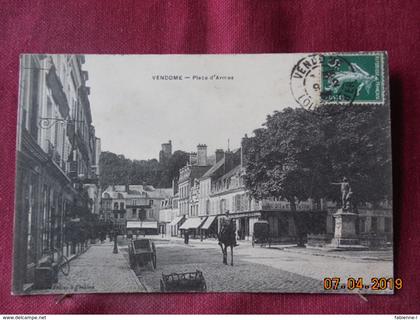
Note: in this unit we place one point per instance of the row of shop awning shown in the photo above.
(176, 221)
(142, 225)
(197, 222)
(206, 225)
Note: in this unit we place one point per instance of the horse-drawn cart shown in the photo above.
(261, 233)
(142, 252)
(181, 282)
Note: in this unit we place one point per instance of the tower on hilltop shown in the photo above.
(166, 152)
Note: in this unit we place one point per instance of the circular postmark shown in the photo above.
(319, 80)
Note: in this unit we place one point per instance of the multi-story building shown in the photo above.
(169, 212)
(189, 186)
(55, 153)
(122, 203)
(222, 193)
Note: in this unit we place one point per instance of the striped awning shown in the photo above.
(206, 225)
(192, 223)
(176, 221)
(142, 225)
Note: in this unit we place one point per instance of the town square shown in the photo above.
(176, 174)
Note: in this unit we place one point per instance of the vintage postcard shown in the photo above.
(204, 173)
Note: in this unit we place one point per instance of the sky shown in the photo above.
(134, 114)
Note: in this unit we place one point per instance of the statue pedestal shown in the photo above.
(345, 235)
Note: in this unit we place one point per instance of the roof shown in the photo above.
(160, 193)
(213, 169)
(137, 191)
(231, 172)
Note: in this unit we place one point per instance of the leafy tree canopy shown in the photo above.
(116, 169)
(297, 154)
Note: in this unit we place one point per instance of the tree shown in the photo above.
(297, 154)
(113, 169)
(178, 160)
(118, 170)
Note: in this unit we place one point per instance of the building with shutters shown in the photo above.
(56, 151)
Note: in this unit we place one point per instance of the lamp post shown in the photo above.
(115, 241)
(47, 123)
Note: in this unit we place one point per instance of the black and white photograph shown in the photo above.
(204, 173)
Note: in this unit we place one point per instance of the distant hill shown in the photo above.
(117, 170)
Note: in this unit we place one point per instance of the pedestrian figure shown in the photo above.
(186, 236)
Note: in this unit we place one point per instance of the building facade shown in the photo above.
(55, 155)
(188, 183)
(122, 203)
(169, 211)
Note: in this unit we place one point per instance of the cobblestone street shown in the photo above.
(256, 269)
(277, 269)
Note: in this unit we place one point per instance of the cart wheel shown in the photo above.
(65, 266)
(162, 286)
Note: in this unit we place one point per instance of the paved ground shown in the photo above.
(277, 269)
(242, 276)
(260, 269)
(98, 270)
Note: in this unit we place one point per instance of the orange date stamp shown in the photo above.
(374, 283)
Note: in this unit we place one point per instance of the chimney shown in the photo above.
(219, 154)
(193, 158)
(127, 184)
(202, 155)
(229, 161)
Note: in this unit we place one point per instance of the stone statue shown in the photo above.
(346, 194)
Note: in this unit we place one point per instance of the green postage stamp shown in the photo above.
(339, 78)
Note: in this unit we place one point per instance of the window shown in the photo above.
(374, 224)
(46, 219)
(115, 205)
(29, 199)
(237, 202)
(222, 206)
(134, 214)
(121, 205)
(362, 225)
(151, 202)
(141, 215)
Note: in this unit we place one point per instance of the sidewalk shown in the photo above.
(375, 255)
(98, 270)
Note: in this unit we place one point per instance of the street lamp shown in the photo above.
(115, 238)
(47, 123)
